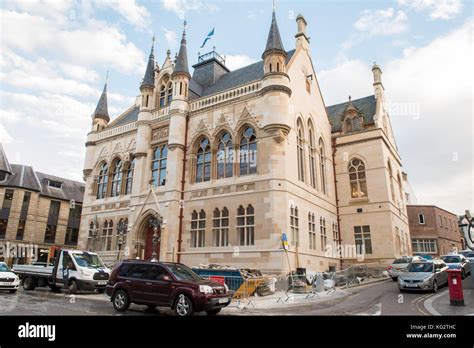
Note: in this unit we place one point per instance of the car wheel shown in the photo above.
(184, 306)
(213, 312)
(394, 279)
(13, 291)
(435, 286)
(73, 287)
(120, 300)
(29, 283)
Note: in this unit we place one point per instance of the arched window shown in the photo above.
(225, 158)
(312, 230)
(323, 232)
(220, 227)
(322, 165)
(116, 178)
(169, 93)
(300, 150)
(102, 181)
(129, 177)
(353, 124)
(248, 152)
(162, 96)
(203, 161)
(294, 226)
(400, 189)
(158, 166)
(246, 225)
(390, 177)
(312, 155)
(357, 178)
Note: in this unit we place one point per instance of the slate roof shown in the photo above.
(25, 177)
(249, 73)
(274, 42)
(102, 110)
(366, 107)
(181, 65)
(4, 164)
(149, 78)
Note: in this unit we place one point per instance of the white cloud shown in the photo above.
(171, 37)
(5, 138)
(382, 22)
(436, 144)
(97, 42)
(376, 23)
(180, 7)
(134, 13)
(438, 9)
(237, 61)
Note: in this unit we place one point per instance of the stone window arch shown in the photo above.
(225, 155)
(300, 149)
(248, 151)
(311, 154)
(357, 178)
(203, 161)
(102, 180)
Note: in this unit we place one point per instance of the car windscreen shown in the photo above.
(403, 260)
(183, 273)
(451, 259)
(88, 260)
(420, 267)
(4, 268)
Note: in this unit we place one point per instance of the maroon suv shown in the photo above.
(165, 284)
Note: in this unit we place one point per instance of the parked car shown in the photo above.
(8, 280)
(425, 275)
(399, 265)
(165, 284)
(424, 256)
(457, 261)
(468, 254)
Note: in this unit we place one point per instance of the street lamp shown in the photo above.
(122, 229)
(155, 222)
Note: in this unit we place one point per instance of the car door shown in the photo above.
(158, 285)
(442, 273)
(136, 281)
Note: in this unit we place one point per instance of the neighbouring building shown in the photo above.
(230, 161)
(433, 230)
(36, 208)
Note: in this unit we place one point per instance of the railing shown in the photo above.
(225, 96)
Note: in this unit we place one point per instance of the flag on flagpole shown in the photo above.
(209, 36)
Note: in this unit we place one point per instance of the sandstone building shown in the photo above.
(229, 161)
(36, 208)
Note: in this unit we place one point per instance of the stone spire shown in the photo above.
(102, 111)
(149, 78)
(181, 66)
(274, 43)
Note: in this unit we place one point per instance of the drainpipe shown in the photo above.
(338, 218)
(183, 181)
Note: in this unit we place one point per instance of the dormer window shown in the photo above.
(352, 124)
(55, 184)
(3, 176)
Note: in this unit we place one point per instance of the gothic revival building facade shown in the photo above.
(230, 161)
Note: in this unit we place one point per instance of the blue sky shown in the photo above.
(55, 55)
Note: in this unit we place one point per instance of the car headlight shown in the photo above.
(400, 280)
(205, 289)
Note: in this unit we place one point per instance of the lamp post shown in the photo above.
(122, 229)
(155, 222)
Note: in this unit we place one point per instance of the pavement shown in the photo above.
(439, 304)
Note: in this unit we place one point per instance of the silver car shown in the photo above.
(425, 275)
(457, 261)
(468, 254)
(399, 265)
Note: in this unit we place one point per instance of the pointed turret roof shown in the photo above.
(102, 110)
(181, 66)
(274, 43)
(149, 78)
(4, 164)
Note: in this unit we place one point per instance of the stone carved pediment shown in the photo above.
(117, 148)
(131, 145)
(247, 117)
(160, 133)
